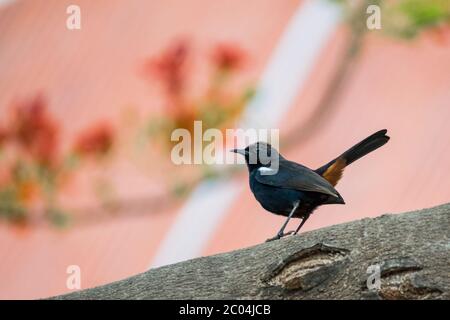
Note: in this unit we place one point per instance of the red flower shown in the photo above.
(96, 140)
(34, 129)
(228, 57)
(3, 136)
(440, 34)
(170, 67)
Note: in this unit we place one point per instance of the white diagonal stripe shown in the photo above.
(289, 67)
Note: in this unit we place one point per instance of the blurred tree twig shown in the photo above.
(323, 110)
(403, 19)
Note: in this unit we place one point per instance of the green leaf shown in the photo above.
(59, 218)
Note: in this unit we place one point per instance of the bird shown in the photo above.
(293, 190)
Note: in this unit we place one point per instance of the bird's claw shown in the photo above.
(279, 236)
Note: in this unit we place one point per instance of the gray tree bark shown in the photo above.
(411, 251)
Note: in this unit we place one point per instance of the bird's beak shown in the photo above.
(240, 151)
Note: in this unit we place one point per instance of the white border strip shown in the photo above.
(293, 60)
(307, 33)
(5, 2)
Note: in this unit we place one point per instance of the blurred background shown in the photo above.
(89, 96)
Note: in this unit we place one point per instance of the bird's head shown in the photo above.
(259, 154)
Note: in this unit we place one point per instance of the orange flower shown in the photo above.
(27, 191)
(35, 130)
(96, 140)
(228, 57)
(170, 67)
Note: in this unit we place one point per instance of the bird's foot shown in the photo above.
(279, 236)
(289, 233)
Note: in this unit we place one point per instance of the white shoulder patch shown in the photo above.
(267, 171)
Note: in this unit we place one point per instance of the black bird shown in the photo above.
(290, 189)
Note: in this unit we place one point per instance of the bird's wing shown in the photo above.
(292, 175)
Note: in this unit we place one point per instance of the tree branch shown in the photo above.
(412, 250)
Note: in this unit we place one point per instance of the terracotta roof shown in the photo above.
(93, 73)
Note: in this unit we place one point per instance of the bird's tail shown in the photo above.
(332, 171)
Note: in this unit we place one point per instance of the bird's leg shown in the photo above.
(281, 233)
(301, 223)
